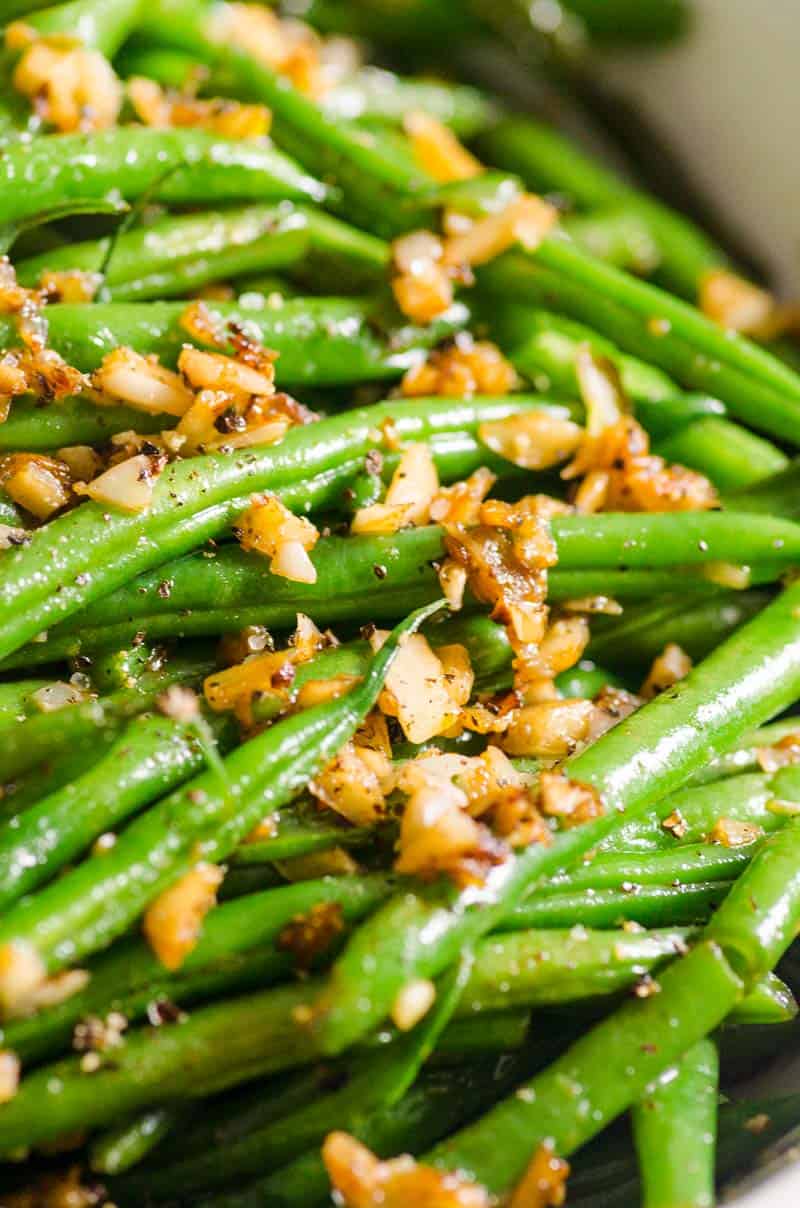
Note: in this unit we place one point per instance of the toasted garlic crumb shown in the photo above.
(462, 369)
(549, 729)
(22, 973)
(730, 832)
(156, 106)
(361, 1180)
(738, 305)
(437, 150)
(412, 1003)
(174, 921)
(422, 286)
(544, 1184)
(355, 784)
(143, 383)
(676, 824)
(40, 484)
(128, 485)
(309, 935)
(669, 667)
(526, 221)
(408, 498)
(69, 86)
(269, 528)
(56, 696)
(534, 440)
(10, 1068)
(780, 754)
(416, 689)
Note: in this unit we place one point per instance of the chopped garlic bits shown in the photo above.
(173, 922)
(269, 528)
(69, 86)
(409, 496)
(363, 1181)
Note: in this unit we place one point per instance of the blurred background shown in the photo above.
(727, 94)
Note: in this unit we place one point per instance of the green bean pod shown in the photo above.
(606, 1070)
(178, 254)
(175, 166)
(746, 680)
(549, 162)
(642, 634)
(203, 820)
(151, 756)
(754, 938)
(46, 736)
(129, 977)
(653, 325)
(321, 341)
(675, 1131)
(115, 1151)
(198, 498)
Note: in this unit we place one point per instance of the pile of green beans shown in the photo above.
(586, 992)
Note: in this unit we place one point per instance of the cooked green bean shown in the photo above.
(674, 1126)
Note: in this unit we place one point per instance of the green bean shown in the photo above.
(15, 700)
(604, 1072)
(61, 731)
(675, 1127)
(370, 95)
(196, 499)
(129, 977)
(776, 495)
(652, 324)
(643, 633)
(9, 512)
(438, 1102)
(731, 456)
(771, 1001)
(186, 165)
(749, 678)
(617, 235)
(374, 95)
(151, 756)
(52, 774)
(648, 905)
(743, 757)
(491, 1032)
(299, 836)
(544, 346)
(685, 864)
(116, 1150)
(618, 541)
(100, 24)
(236, 1113)
(688, 428)
(754, 939)
(204, 819)
(240, 585)
(34, 426)
(742, 798)
(542, 968)
(377, 1083)
(749, 933)
(376, 189)
(658, 539)
(177, 254)
(215, 1047)
(549, 162)
(321, 341)
(604, 1164)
